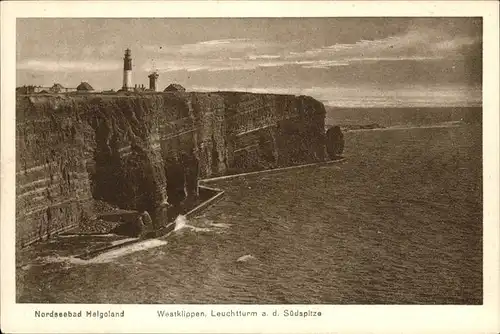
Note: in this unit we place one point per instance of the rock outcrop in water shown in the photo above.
(136, 151)
(334, 142)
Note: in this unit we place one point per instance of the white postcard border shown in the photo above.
(20, 318)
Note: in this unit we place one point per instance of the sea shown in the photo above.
(399, 221)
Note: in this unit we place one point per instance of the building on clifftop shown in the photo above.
(175, 88)
(153, 77)
(84, 87)
(139, 88)
(57, 88)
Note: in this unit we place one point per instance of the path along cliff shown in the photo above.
(140, 151)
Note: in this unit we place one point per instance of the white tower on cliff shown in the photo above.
(127, 71)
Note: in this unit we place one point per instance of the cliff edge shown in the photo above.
(142, 151)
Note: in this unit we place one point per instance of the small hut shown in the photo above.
(57, 88)
(84, 87)
(175, 88)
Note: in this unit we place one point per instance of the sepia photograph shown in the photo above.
(281, 160)
(315, 161)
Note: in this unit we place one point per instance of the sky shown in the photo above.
(345, 62)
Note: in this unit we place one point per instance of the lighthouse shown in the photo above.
(127, 71)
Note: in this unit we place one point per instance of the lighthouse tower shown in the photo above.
(127, 71)
(152, 81)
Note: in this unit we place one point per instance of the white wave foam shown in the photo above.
(108, 256)
(180, 222)
(107, 235)
(220, 225)
(111, 255)
(121, 241)
(200, 229)
(246, 258)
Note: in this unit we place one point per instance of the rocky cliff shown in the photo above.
(142, 151)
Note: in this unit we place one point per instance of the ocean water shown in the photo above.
(399, 222)
(402, 116)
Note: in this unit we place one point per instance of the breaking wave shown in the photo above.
(108, 256)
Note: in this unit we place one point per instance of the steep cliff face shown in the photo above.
(53, 143)
(269, 131)
(143, 151)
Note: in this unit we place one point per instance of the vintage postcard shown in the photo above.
(250, 167)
